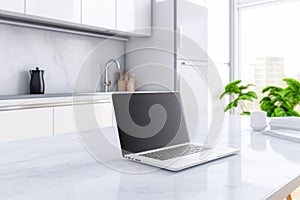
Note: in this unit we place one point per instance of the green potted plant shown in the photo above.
(238, 95)
(281, 102)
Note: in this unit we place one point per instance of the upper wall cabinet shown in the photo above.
(134, 16)
(124, 17)
(100, 13)
(66, 10)
(12, 5)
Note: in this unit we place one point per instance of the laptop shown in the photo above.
(152, 130)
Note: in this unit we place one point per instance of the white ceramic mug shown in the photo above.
(258, 120)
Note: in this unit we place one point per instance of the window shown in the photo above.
(269, 41)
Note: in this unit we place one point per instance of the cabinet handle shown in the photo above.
(193, 65)
(180, 36)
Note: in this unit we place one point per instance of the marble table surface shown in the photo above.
(61, 168)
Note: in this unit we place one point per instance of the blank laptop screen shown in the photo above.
(149, 121)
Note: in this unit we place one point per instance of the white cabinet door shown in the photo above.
(68, 119)
(195, 95)
(192, 26)
(66, 10)
(24, 124)
(100, 13)
(134, 16)
(104, 114)
(12, 5)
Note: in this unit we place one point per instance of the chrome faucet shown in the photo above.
(107, 82)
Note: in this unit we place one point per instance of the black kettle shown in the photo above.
(37, 83)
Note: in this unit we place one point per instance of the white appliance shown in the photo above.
(191, 62)
(179, 32)
(152, 130)
(178, 42)
(195, 95)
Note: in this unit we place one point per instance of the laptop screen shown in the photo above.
(148, 121)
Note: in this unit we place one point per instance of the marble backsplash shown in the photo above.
(63, 56)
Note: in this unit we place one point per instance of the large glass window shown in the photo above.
(269, 43)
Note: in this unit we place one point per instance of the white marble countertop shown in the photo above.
(14, 102)
(50, 95)
(59, 168)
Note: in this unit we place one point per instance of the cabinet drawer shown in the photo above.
(76, 118)
(24, 124)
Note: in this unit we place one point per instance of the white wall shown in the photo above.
(61, 55)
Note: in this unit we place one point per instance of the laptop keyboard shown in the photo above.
(176, 152)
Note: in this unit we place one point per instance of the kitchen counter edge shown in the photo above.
(19, 102)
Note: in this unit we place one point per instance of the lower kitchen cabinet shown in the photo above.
(104, 114)
(76, 118)
(49, 121)
(24, 124)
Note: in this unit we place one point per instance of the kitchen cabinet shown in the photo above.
(12, 5)
(133, 16)
(76, 118)
(99, 13)
(66, 10)
(130, 17)
(104, 114)
(24, 124)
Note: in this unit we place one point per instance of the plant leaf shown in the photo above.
(286, 105)
(269, 113)
(271, 88)
(232, 87)
(267, 106)
(279, 112)
(243, 87)
(247, 113)
(252, 94)
(230, 106)
(292, 83)
(293, 113)
(223, 94)
(235, 82)
(244, 97)
(265, 99)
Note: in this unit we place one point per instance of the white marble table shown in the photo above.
(59, 168)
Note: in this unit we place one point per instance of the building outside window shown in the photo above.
(269, 42)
